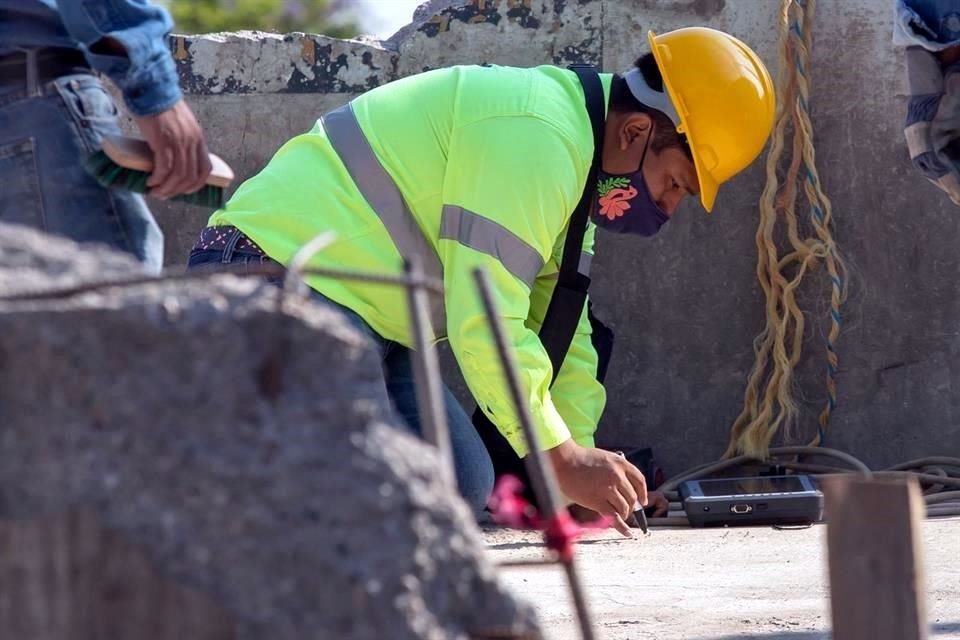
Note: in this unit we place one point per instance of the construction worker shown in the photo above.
(477, 166)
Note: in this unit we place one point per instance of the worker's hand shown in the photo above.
(599, 480)
(659, 502)
(180, 160)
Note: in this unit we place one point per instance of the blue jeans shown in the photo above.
(474, 469)
(43, 141)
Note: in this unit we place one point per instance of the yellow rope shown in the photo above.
(768, 400)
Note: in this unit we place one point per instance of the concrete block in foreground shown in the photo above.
(286, 493)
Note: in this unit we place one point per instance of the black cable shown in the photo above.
(939, 472)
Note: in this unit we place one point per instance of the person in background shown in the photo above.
(930, 31)
(54, 111)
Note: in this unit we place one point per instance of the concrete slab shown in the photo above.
(714, 584)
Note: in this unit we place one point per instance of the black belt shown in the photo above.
(51, 63)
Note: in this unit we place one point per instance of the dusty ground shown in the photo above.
(713, 585)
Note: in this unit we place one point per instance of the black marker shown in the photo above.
(634, 521)
(642, 520)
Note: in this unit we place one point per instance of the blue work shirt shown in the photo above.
(147, 75)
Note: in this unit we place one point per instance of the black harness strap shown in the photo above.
(570, 295)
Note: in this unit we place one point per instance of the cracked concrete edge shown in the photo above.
(258, 62)
(246, 62)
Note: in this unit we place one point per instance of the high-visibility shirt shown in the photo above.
(468, 166)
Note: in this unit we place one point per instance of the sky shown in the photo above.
(384, 17)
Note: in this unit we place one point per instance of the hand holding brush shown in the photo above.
(171, 161)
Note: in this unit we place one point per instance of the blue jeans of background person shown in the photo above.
(474, 470)
(44, 140)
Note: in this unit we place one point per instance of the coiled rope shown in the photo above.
(769, 403)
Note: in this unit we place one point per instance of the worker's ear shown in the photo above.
(634, 130)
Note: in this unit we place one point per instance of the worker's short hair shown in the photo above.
(622, 100)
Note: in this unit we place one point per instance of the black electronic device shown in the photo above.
(761, 500)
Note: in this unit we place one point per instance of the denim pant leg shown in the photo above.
(43, 143)
(473, 467)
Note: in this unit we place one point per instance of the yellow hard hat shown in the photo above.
(724, 97)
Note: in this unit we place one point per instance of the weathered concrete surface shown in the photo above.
(257, 62)
(721, 584)
(522, 33)
(190, 417)
(685, 305)
(33, 262)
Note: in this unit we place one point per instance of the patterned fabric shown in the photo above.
(217, 238)
(933, 120)
(927, 28)
(931, 24)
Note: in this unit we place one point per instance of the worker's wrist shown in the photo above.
(564, 453)
(549, 425)
(152, 88)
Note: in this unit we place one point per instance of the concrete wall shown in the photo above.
(685, 305)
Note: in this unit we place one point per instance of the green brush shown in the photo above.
(126, 163)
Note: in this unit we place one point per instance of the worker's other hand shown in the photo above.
(181, 163)
(655, 500)
(599, 480)
(659, 502)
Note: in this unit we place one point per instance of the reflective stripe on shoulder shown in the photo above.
(377, 187)
(383, 196)
(489, 237)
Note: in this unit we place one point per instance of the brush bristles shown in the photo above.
(113, 176)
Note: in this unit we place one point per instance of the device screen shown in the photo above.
(737, 486)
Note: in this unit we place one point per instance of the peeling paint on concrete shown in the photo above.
(527, 32)
(562, 31)
(483, 11)
(180, 49)
(253, 62)
(478, 11)
(573, 55)
(520, 11)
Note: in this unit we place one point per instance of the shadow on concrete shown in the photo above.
(778, 635)
(608, 540)
(538, 544)
(942, 628)
(531, 544)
